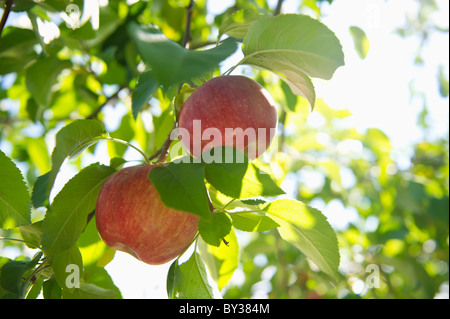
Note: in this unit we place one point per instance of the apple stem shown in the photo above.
(128, 144)
(193, 240)
(239, 63)
(226, 205)
(233, 67)
(161, 153)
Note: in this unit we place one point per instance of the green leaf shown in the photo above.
(13, 273)
(5, 294)
(89, 291)
(239, 180)
(67, 216)
(252, 222)
(51, 289)
(37, 150)
(12, 277)
(191, 280)
(146, 86)
(296, 47)
(74, 138)
(173, 276)
(172, 64)
(100, 278)
(254, 201)
(14, 197)
(42, 75)
(290, 98)
(115, 74)
(55, 5)
(215, 230)
(16, 49)
(71, 140)
(41, 190)
(238, 23)
(32, 233)
(443, 82)
(35, 290)
(93, 250)
(361, 42)
(308, 230)
(297, 41)
(22, 5)
(221, 261)
(181, 186)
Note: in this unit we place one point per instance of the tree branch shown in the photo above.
(278, 8)
(94, 114)
(161, 153)
(8, 6)
(187, 30)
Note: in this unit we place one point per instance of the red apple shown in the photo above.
(131, 217)
(228, 111)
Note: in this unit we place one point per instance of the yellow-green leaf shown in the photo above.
(307, 229)
(361, 41)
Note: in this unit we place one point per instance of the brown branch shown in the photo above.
(94, 114)
(278, 8)
(161, 153)
(8, 6)
(187, 30)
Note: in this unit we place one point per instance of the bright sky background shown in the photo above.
(375, 90)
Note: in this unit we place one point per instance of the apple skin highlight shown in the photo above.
(228, 103)
(131, 217)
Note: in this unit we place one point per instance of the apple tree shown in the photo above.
(94, 89)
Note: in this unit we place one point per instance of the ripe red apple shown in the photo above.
(131, 217)
(228, 111)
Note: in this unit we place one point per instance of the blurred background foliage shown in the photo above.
(392, 221)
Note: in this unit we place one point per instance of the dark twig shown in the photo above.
(161, 153)
(187, 30)
(94, 114)
(8, 6)
(278, 8)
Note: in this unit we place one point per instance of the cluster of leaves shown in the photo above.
(73, 77)
(397, 219)
(67, 101)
